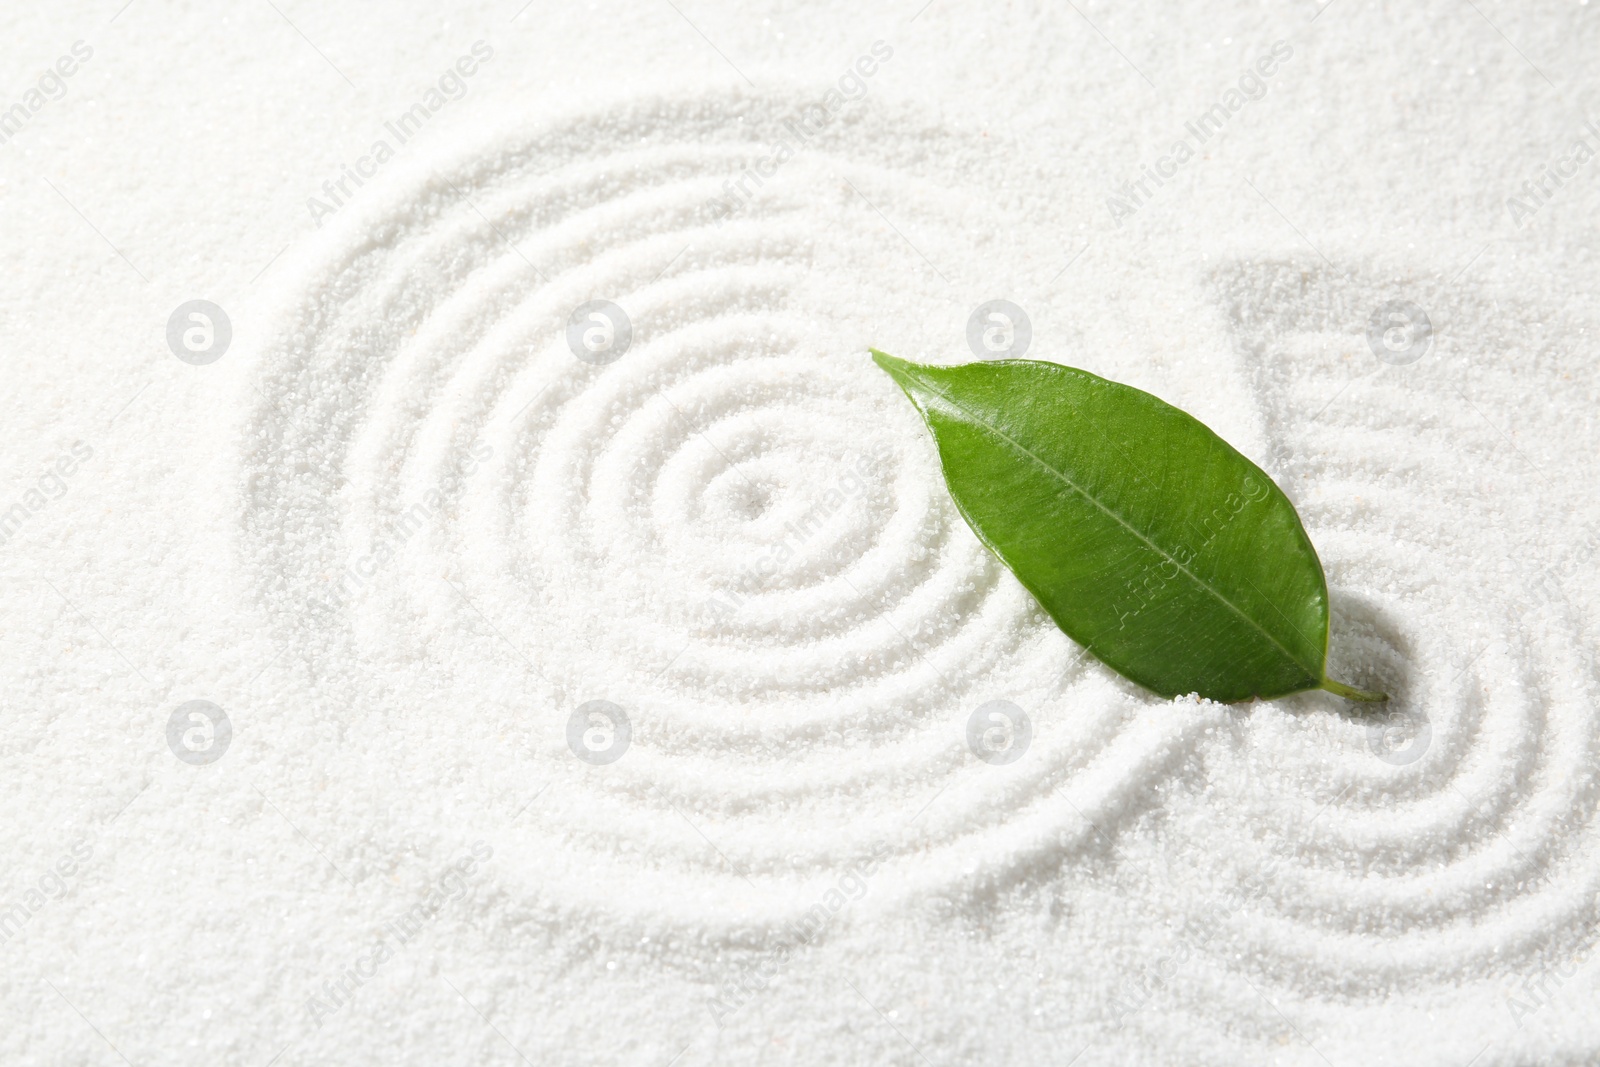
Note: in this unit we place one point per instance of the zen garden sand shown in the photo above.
(475, 600)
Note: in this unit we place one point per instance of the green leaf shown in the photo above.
(1149, 539)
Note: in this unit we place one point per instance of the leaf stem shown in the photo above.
(1352, 693)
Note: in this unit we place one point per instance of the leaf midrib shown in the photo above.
(1195, 578)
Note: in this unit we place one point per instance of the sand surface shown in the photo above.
(467, 597)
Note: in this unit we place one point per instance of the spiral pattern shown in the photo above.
(731, 527)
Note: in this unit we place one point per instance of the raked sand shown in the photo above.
(514, 621)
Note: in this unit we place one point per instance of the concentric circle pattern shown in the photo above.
(736, 533)
(1455, 836)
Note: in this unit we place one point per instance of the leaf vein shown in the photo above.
(1062, 476)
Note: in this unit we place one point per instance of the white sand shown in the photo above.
(399, 534)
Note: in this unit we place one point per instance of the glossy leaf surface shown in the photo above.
(1148, 539)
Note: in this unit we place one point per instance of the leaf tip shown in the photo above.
(893, 365)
